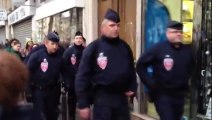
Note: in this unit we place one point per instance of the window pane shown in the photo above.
(65, 23)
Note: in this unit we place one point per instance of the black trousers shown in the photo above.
(45, 103)
(72, 100)
(169, 107)
(110, 106)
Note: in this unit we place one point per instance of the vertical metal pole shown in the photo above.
(142, 95)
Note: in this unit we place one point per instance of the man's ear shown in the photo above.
(45, 42)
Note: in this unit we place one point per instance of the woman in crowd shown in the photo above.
(28, 46)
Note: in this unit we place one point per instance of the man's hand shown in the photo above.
(63, 90)
(129, 93)
(85, 113)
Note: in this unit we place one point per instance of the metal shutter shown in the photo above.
(2, 35)
(23, 30)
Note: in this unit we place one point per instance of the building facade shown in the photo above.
(35, 18)
(63, 17)
(20, 21)
(5, 5)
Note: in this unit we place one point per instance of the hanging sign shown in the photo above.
(3, 15)
(18, 2)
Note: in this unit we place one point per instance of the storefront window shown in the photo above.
(42, 1)
(43, 26)
(64, 23)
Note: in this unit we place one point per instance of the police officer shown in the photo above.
(172, 64)
(42, 46)
(106, 75)
(71, 62)
(45, 67)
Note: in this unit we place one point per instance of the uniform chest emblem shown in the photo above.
(168, 63)
(44, 65)
(102, 61)
(73, 59)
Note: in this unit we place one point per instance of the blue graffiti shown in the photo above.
(156, 18)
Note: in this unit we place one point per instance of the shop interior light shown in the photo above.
(185, 7)
(66, 14)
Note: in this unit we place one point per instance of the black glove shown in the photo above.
(28, 93)
(64, 89)
(151, 92)
(29, 97)
(151, 96)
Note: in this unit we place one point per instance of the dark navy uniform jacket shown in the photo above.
(61, 50)
(19, 112)
(71, 60)
(108, 64)
(32, 51)
(45, 68)
(172, 67)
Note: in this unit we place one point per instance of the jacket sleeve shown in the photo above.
(32, 65)
(83, 82)
(133, 80)
(67, 69)
(143, 63)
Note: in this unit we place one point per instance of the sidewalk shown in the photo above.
(136, 116)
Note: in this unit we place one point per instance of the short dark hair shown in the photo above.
(13, 40)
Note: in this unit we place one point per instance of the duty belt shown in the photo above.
(44, 87)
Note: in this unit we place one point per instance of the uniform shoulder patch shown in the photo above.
(44, 65)
(168, 62)
(73, 59)
(102, 61)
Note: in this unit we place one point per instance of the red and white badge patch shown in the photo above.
(73, 59)
(102, 61)
(44, 65)
(168, 63)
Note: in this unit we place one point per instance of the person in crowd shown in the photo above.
(13, 79)
(84, 42)
(1, 46)
(35, 45)
(11, 43)
(106, 75)
(41, 46)
(172, 64)
(7, 43)
(28, 46)
(65, 43)
(15, 50)
(71, 60)
(45, 67)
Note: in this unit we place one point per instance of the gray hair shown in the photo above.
(105, 21)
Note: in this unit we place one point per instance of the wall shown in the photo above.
(90, 20)
(174, 7)
(5, 4)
